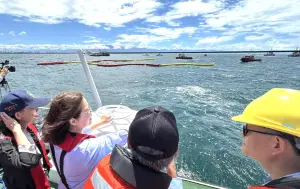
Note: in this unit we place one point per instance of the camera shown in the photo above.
(10, 68)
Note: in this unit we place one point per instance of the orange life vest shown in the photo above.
(103, 173)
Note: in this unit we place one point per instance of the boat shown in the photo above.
(249, 58)
(182, 56)
(101, 53)
(295, 53)
(159, 54)
(270, 53)
(122, 117)
(146, 54)
(205, 55)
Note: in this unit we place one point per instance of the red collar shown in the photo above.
(72, 139)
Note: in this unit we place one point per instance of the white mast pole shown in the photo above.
(90, 78)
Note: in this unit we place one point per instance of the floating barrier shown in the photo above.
(62, 62)
(155, 65)
(134, 64)
(127, 60)
(92, 61)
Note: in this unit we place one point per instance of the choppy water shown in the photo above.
(203, 99)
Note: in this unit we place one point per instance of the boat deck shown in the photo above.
(122, 118)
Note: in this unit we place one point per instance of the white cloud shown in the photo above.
(254, 15)
(12, 33)
(23, 33)
(137, 39)
(107, 28)
(17, 20)
(88, 36)
(251, 45)
(214, 39)
(52, 46)
(257, 37)
(172, 23)
(94, 13)
(142, 41)
(91, 41)
(119, 45)
(176, 46)
(171, 33)
(1, 33)
(153, 36)
(188, 8)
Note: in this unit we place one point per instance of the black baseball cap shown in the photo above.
(154, 127)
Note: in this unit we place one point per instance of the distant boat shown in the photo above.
(205, 55)
(146, 54)
(270, 53)
(249, 58)
(295, 54)
(159, 54)
(103, 53)
(182, 56)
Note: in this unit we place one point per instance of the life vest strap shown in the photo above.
(60, 171)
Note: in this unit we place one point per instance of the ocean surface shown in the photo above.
(203, 100)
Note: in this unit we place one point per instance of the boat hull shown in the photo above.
(99, 54)
(184, 57)
(250, 60)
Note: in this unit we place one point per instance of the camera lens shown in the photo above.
(11, 68)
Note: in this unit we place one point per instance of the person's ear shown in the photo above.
(278, 145)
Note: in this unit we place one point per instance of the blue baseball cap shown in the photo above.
(16, 100)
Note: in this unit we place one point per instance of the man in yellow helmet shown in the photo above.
(271, 136)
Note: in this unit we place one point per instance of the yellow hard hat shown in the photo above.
(278, 109)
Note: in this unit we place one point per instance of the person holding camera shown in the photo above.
(21, 148)
(3, 73)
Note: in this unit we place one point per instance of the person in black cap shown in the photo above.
(149, 162)
(20, 147)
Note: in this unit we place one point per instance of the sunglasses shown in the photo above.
(246, 130)
(282, 135)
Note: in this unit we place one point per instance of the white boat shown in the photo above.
(270, 53)
(295, 54)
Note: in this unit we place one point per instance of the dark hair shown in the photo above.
(4, 129)
(56, 123)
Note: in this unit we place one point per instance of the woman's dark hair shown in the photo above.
(4, 129)
(63, 108)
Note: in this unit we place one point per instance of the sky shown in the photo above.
(150, 24)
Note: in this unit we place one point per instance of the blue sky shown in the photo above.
(152, 24)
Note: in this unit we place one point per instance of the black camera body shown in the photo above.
(5, 65)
